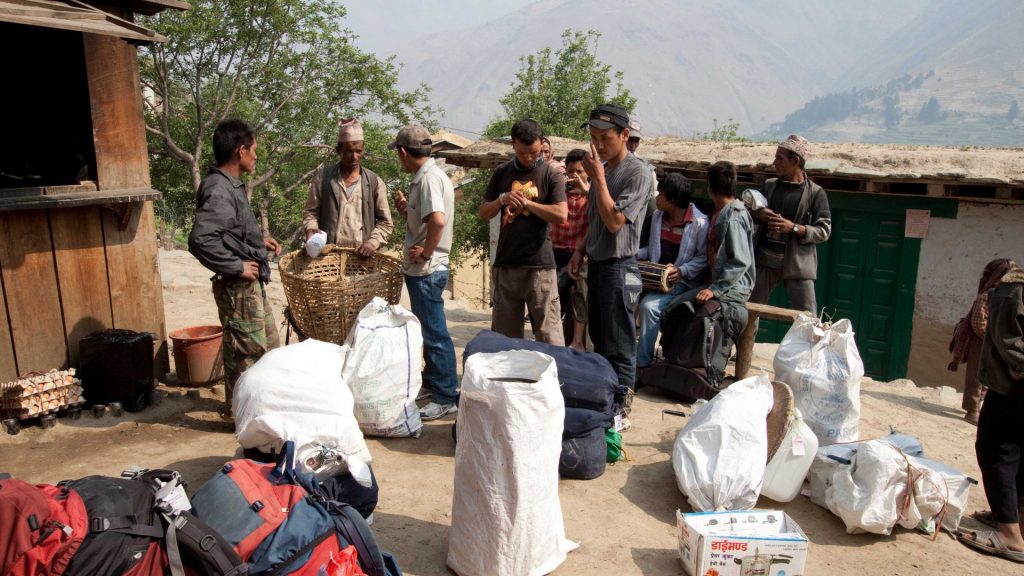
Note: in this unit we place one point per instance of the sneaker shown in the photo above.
(433, 411)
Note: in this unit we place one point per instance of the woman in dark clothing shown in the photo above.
(1000, 443)
(968, 335)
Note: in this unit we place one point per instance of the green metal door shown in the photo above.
(867, 273)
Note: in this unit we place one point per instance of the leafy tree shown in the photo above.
(891, 111)
(471, 235)
(290, 69)
(727, 132)
(559, 89)
(931, 111)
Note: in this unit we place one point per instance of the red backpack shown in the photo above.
(41, 528)
(283, 523)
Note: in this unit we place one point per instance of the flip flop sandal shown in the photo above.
(988, 541)
(985, 517)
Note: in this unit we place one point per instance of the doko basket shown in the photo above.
(325, 294)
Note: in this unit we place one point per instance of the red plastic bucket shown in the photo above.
(197, 354)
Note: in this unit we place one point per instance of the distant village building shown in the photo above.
(78, 243)
(913, 226)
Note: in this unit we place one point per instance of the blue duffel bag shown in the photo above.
(583, 457)
(587, 378)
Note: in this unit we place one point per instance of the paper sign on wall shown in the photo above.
(917, 223)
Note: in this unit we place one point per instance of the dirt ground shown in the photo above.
(624, 520)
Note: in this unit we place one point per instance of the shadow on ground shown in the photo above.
(420, 547)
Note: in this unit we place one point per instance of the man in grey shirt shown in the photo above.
(618, 202)
(430, 213)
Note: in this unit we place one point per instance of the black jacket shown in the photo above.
(226, 232)
(1002, 351)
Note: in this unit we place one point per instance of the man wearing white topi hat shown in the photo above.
(348, 201)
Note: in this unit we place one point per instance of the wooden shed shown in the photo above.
(913, 226)
(78, 244)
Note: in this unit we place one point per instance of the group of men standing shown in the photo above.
(570, 233)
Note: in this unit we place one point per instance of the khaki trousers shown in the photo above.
(536, 289)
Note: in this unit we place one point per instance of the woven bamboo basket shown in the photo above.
(325, 294)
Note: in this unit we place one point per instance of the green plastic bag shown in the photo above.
(615, 450)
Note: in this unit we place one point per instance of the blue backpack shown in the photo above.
(281, 522)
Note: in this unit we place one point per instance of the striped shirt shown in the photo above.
(629, 184)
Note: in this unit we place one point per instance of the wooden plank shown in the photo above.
(81, 273)
(133, 273)
(8, 366)
(121, 163)
(119, 132)
(30, 286)
(771, 312)
(76, 199)
(745, 343)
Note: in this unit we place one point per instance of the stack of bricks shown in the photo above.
(40, 394)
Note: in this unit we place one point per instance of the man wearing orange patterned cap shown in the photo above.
(796, 219)
(348, 201)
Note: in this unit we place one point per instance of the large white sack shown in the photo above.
(882, 487)
(829, 458)
(719, 457)
(383, 369)
(822, 366)
(506, 515)
(297, 393)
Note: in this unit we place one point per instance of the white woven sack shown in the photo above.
(506, 515)
(296, 393)
(822, 366)
(383, 369)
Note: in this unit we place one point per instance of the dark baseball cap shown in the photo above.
(607, 116)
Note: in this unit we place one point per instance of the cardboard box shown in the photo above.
(745, 543)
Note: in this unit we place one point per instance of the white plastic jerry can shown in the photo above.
(785, 472)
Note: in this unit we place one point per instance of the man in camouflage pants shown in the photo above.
(228, 240)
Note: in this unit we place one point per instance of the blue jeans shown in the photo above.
(439, 372)
(652, 308)
(613, 291)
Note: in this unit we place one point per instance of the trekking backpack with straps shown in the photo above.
(140, 525)
(696, 341)
(41, 528)
(281, 522)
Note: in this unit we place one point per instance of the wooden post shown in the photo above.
(119, 135)
(745, 344)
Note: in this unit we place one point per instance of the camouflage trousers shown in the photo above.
(249, 327)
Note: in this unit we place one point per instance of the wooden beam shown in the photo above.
(122, 162)
(745, 343)
(76, 199)
(8, 365)
(81, 273)
(133, 273)
(119, 131)
(30, 286)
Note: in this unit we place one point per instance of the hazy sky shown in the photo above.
(383, 25)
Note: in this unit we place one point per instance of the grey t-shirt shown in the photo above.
(431, 191)
(629, 184)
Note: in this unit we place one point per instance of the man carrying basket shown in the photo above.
(346, 200)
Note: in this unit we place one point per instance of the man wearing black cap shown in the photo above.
(619, 192)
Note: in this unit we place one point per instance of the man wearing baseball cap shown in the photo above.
(429, 211)
(620, 184)
(797, 218)
(634, 135)
(348, 201)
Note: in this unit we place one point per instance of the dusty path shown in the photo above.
(623, 520)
